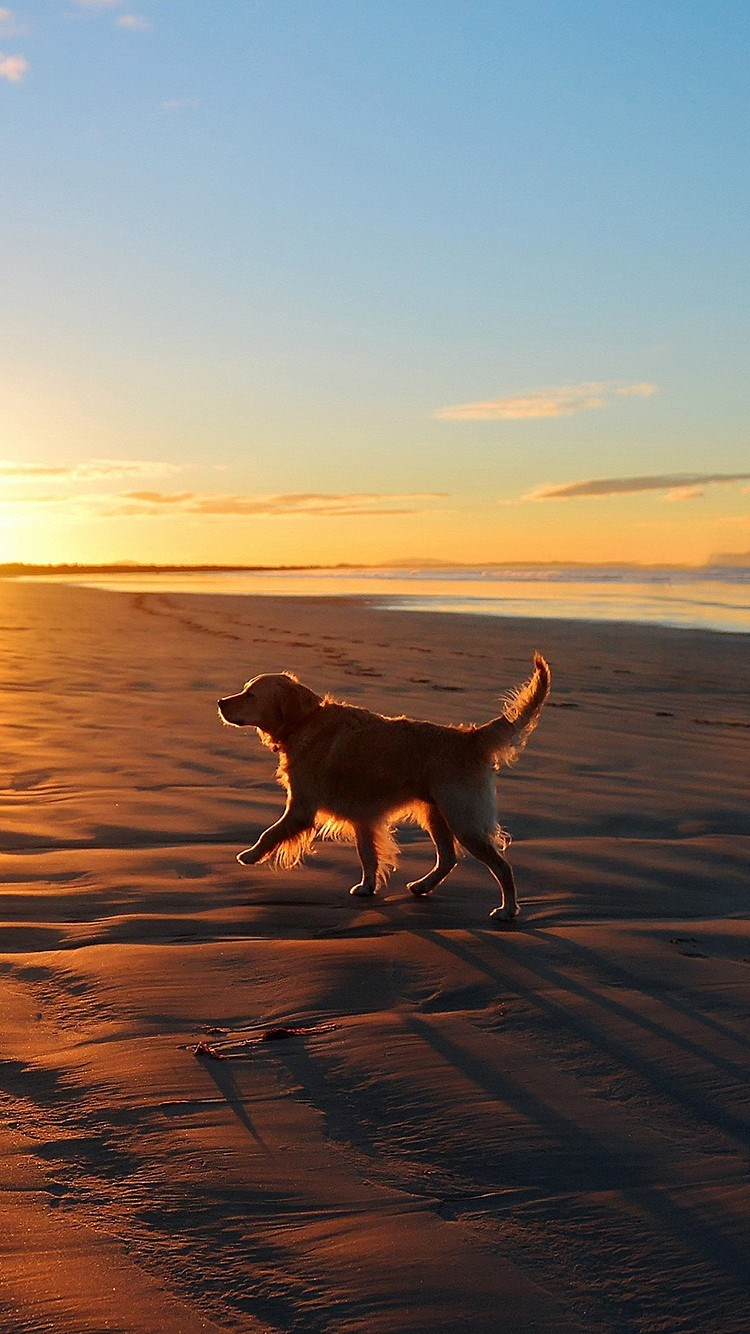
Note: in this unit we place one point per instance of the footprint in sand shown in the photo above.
(720, 722)
(57, 1191)
(434, 685)
(161, 606)
(688, 940)
(24, 781)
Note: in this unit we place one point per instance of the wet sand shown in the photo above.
(543, 1128)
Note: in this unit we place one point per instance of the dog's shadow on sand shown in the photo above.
(555, 994)
(568, 988)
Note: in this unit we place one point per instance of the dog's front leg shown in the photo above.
(294, 821)
(369, 858)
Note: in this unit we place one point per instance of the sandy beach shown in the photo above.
(543, 1128)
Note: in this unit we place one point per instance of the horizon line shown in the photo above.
(11, 569)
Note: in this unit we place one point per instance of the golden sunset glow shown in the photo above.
(373, 402)
(274, 327)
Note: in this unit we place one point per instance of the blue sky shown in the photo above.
(253, 251)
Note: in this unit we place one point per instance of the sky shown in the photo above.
(320, 281)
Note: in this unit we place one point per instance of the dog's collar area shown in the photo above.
(280, 738)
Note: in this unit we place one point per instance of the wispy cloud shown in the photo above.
(9, 24)
(39, 498)
(181, 104)
(74, 486)
(559, 402)
(133, 23)
(97, 4)
(13, 68)
(678, 486)
(325, 504)
(90, 471)
(679, 493)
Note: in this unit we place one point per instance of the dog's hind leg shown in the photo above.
(485, 851)
(471, 816)
(445, 848)
(368, 855)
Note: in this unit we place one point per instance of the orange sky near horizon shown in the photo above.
(629, 528)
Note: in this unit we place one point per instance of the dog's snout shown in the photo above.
(230, 710)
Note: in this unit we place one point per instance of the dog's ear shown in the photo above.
(289, 704)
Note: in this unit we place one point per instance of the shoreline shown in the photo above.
(405, 599)
(368, 603)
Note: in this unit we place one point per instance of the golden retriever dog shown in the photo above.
(352, 774)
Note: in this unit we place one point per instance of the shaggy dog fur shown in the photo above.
(352, 774)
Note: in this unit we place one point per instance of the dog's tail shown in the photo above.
(506, 736)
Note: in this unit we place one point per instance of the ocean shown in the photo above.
(709, 598)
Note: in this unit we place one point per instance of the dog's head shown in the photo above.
(274, 703)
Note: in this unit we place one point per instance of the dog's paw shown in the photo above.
(419, 890)
(503, 916)
(361, 891)
(247, 858)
